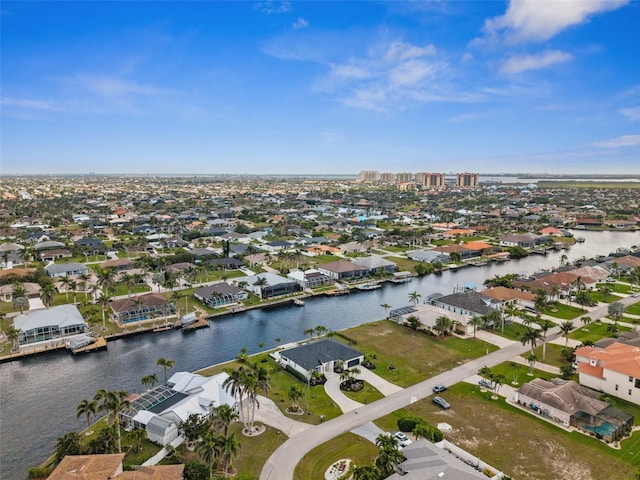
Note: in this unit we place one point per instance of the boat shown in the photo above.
(86, 343)
(298, 302)
(164, 327)
(401, 277)
(368, 286)
(481, 263)
(337, 292)
(197, 325)
(539, 251)
(188, 319)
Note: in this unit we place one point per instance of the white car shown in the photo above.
(403, 440)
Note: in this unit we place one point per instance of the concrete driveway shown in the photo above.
(270, 414)
(332, 387)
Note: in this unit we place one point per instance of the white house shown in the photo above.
(614, 370)
(160, 410)
(319, 356)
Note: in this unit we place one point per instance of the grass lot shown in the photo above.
(599, 297)
(616, 287)
(554, 355)
(367, 395)
(348, 445)
(415, 355)
(512, 331)
(593, 332)
(565, 312)
(633, 309)
(280, 382)
(399, 249)
(520, 373)
(404, 264)
(520, 444)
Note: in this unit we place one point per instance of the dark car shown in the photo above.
(439, 388)
(441, 402)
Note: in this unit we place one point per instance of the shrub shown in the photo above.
(407, 424)
(40, 472)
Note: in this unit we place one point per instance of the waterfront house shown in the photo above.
(375, 263)
(49, 326)
(220, 294)
(92, 245)
(268, 285)
(65, 269)
(467, 303)
(151, 305)
(614, 370)
(311, 278)
(342, 270)
(572, 404)
(430, 256)
(320, 356)
(428, 315)
(161, 410)
(510, 297)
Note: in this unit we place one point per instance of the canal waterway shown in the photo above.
(39, 395)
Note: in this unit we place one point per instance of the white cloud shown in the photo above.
(624, 141)
(522, 63)
(464, 118)
(349, 71)
(107, 86)
(399, 51)
(270, 6)
(536, 21)
(28, 103)
(632, 113)
(300, 23)
(411, 73)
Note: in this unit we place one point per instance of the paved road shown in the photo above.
(281, 464)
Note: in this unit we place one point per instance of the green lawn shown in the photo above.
(593, 332)
(515, 372)
(348, 445)
(616, 287)
(398, 248)
(554, 357)
(367, 395)
(565, 312)
(599, 297)
(633, 309)
(499, 432)
(415, 355)
(280, 383)
(512, 331)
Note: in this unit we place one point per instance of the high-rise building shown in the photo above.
(387, 177)
(430, 180)
(404, 177)
(369, 176)
(468, 180)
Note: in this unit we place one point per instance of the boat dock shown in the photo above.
(198, 324)
(99, 344)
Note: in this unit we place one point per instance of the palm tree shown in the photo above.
(442, 325)
(223, 417)
(515, 366)
(73, 286)
(531, 336)
(294, 394)
(414, 298)
(612, 329)
(256, 381)
(386, 441)
(366, 472)
(388, 456)
(149, 380)
(165, 364)
(261, 282)
(105, 279)
(228, 447)
(113, 402)
(137, 303)
(65, 282)
(476, 322)
(498, 380)
(14, 334)
(586, 320)
(85, 277)
(86, 408)
(545, 325)
(129, 281)
(234, 385)
(21, 302)
(208, 451)
(47, 294)
(565, 328)
(103, 300)
(605, 290)
(137, 435)
(532, 359)
(386, 307)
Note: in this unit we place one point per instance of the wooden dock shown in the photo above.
(198, 324)
(99, 344)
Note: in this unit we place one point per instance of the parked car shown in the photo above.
(485, 384)
(439, 388)
(403, 440)
(441, 402)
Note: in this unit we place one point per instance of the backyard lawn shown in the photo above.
(518, 443)
(565, 312)
(554, 357)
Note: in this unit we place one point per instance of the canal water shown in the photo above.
(39, 395)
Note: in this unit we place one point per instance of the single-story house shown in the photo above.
(118, 265)
(90, 244)
(50, 325)
(511, 297)
(430, 256)
(161, 409)
(570, 403)
(220, 294)
(319, 356)
(467, 303)
(267, 285)
(66, 269)
(428, 314)
(229, 263)
(524, 240)
(6, 291)
(151, 305)
(48, 245)
(342, 270)
(311, 278)
(53, 255)
(375, 263)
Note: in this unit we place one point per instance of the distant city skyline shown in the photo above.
(319, 88)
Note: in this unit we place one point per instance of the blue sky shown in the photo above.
(320, 87)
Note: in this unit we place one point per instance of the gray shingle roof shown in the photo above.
(311, 355)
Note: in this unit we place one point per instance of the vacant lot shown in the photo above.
(406, 357)
(520, 444)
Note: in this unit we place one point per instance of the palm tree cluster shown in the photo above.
(496, 379)
(349, 379)
(245, 384)
(389, 456)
